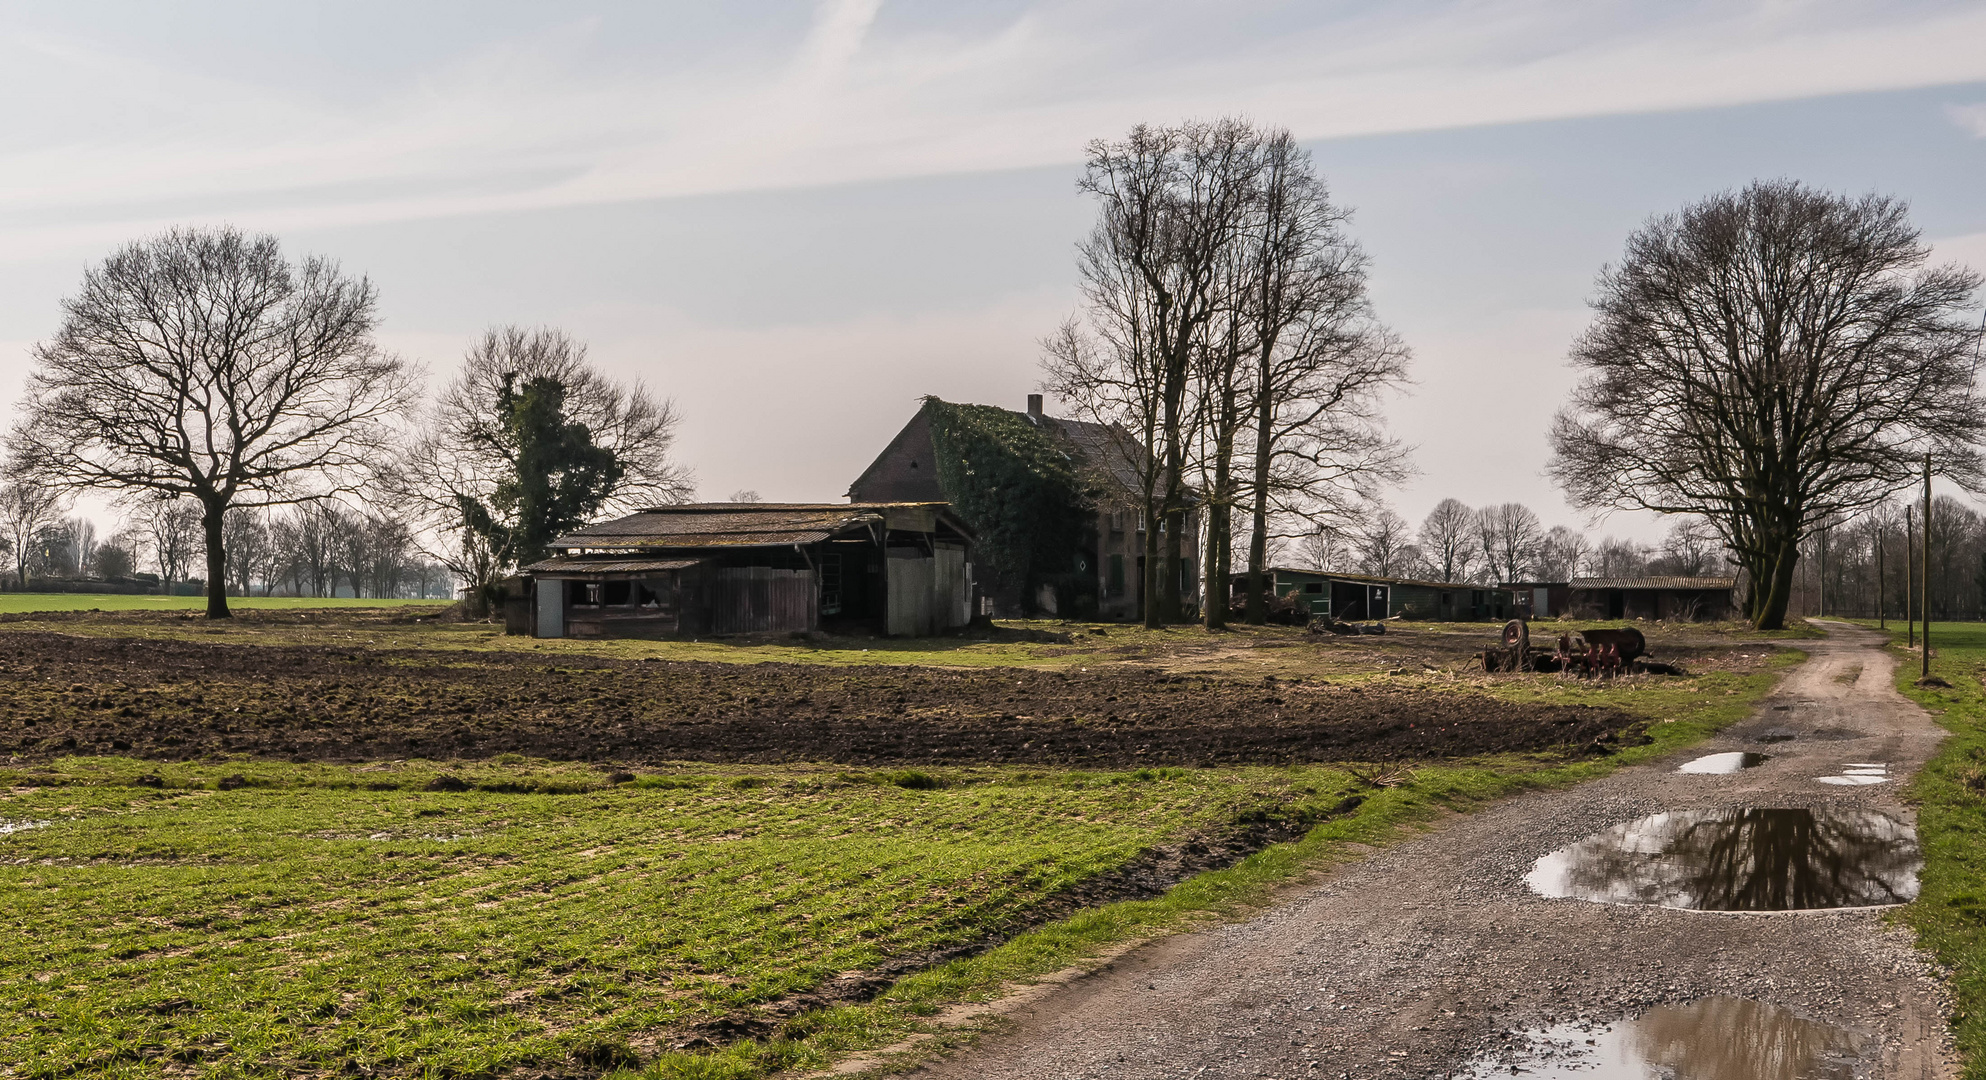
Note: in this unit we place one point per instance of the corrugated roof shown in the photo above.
(595, 564)
(1712, 583)
(701, 525)
(724, 525)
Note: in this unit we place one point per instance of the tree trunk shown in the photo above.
(1258, 526)
(1148, 602)
(1175, 562)
(214, 510)
(1771, 614)
(1219, 525)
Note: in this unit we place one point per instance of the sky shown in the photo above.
(796, 219)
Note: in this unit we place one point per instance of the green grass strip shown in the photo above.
(1950, 912)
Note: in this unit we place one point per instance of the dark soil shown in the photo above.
(176, 699)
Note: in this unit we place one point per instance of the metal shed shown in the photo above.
(739, 568)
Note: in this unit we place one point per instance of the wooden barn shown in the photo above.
(711, 569)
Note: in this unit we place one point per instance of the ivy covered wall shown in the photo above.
(1018, 489)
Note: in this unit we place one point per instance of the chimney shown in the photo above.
(1034, 404)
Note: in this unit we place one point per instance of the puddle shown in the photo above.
(20, 826)
(1714, 1039)
(1776, 737)
(1740, 860)
(1858, 774)
(1721, 764)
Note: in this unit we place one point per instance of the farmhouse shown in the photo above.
(898, 568)
(1055, 504)
(1356, 597)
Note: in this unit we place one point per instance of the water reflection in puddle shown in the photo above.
(1740, 860)
(1858, 774)
(1712, 1039)
(1720, 764)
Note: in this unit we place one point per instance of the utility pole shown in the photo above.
(1882, 583)
(1926, 602)
(1909, 583)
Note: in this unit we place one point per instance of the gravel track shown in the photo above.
(1419, 958)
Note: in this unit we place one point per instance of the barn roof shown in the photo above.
(1683, 583)
(714, 525)
(606, 564)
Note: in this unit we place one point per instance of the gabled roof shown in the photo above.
(1104, 449)
(1710, 583)
(700, 525)
(606, 564)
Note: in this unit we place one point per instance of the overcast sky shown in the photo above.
(796, 219)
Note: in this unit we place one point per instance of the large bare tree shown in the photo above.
(465, 453)
(203, 364)
(1771, 358)
(1171, 201)
(1320, 360)
(1228, 331)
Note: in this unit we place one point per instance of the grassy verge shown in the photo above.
(250, 918)
(24, 603)
(1950, 913)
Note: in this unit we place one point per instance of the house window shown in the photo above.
(1313, 586)
(615, 594)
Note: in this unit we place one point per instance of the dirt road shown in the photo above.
(1429, 959)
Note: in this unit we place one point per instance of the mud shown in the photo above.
(1751, 859)
(179, 699)
(1718, 1038)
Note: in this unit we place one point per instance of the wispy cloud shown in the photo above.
(117, 141)
(1970, 117)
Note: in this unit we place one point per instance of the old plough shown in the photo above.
(1587, 653)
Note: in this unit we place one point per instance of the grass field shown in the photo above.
(12, 603)
(1950, 912)
(233, 918)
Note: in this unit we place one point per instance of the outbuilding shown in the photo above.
(1676, 599)
(1363, 597)
(901, 569)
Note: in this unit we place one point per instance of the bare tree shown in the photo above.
(203, 364)
(246, 536)
(27, 506)
(1769, 359)
(1170, 204)
(1691, 548)
(1508, 536)
(465, 455)
(1561, 553)
(1383, 543)
(1329, 548)
(1448, 538)
(1320, 356)
(173, 531)
(1617, 558)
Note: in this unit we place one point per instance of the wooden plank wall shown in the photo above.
(760, 599)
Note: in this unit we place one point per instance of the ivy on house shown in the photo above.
(1022, 495)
